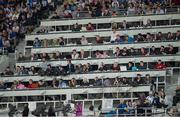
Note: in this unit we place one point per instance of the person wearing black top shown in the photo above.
(25, 112)
(51, 112)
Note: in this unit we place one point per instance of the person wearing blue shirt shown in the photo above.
(122, 107)
(62, 84)
(37, 43)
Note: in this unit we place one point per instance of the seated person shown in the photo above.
(125, 52)
(99, 40)
(70, 67)
(85, 82)
(142, 66)
(159, 65)
(97, 82)
(73, 82)
(32, 84)
(116, 67)
(8, 72)
(138, 80)
(83, 40)
(62, 84)
(21, 57)
(122, 107)
(74, 55)
(42, 84)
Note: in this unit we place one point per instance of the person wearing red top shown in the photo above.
(32, 85)
(160, 65)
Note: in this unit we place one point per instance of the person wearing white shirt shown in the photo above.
(150, 98)
(74, 54)
(83, 40)
(113, 36)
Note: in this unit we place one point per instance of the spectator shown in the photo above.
(2, 86)
(97, 82)
(113, 36)
(73, 82)
(74, 54)
(159, 10)
(98, 54)
(119, 39)
(43, 65)
(61, 41)
(116, 82)
(160, 65)
(143, 52)
(85, 82)
(117, 52)
(8, 72)
(104, 55)
(21, 57)
(55, 83)
(62, 84)
(178, 35)
(170, 50)
(170, 36)
(79, 69)
(124, 25)
(131, 9)
(140, 38)
(153, 51)
(32, 71)
(159, 36)
(122, 107)
(49, 70)
(142, 66)
(24, 71)
(99, 40)
(116, 67)
(89, 27)
(132, 52)
(37, 43)
(83, 40)
(107, 82)
(150, 98)
(57, 55)
(162, 51)
(55, 16)
(102, 67)
(124, 81)
(32, 84)
(138, 80)
(25, 111)
(51, 112)
(76, 27)
(14, 85)
(149, 80)
(130, 66)
(78, 109)
(54, 42)
(125, 52)
(41, 84)
(20, 85)
(45, 56)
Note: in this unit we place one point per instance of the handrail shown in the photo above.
(105, 33)
(109, 60)
(106, 46)
(90, 75)
(131, 15)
